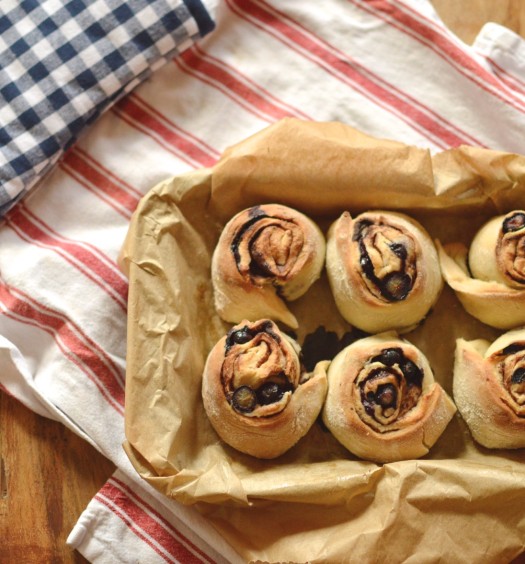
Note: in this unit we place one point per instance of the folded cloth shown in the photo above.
(389, 68)
(64, 63)
(504, 52)
(120, 521)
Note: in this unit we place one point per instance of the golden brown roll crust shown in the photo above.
(383, 270)
(489, 389)
(265, 253)
(497, 252)
(489, 277)
(382, 402)
(256, 394)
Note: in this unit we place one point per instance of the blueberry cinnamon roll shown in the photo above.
(382, 402)
(489, 276)
(383, 270)
(266, 255)
(489, 389)
(497, 252)
(256, 393)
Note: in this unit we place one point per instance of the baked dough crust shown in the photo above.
(491, 302)
(492, 405)
(266, 255)
(359, 299)
(497, 251)
(267, 355)
(404, 434)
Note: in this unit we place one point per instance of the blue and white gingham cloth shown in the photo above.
(64, 62)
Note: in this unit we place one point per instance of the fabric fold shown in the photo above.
(123, 520)
(504, 51)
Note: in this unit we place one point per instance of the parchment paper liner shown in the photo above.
(317, 503)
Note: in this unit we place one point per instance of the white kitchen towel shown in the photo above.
(504, 51)
(388, 67)
(122, 524)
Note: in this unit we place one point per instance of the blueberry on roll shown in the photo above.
(383, 403)
(383, 270)
(256, 393)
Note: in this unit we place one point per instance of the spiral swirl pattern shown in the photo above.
(489, 389)
(382, 402)
(510, 248)
(488, 276)
(269, 250)
(256, 393)
(259, 373)
(266, 255)
(509, 363)
(383, 270)
(387, 259)
(389, 386)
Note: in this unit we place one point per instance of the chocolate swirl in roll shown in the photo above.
(497, 251)
(383, 270)
(387, 256)
(489, 276)
(489, 389)
(382, 402)
(256, 393)
(511, 249)
(258, 374)
(389, 386)
(265, 254)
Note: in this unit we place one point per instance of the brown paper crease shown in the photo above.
(316, 503)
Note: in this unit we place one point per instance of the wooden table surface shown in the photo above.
(48, 475)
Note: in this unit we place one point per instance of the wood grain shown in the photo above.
(467, 17)
(48, 475)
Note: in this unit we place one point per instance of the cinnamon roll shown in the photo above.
(265, 254)
(382, 402)
(489, 277)
(497, 252)
(383, 270)
(257, 395)
(489, 389)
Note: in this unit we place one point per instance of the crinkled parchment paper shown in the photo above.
(316, 503)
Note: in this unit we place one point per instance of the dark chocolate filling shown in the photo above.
(371, 399)
(515, 222)
(512, 349)
(399, 250)
(359, 228)
(389, 357)
(256, 214)
(518, 376)
(412, 373)
(387, 395)
(245, 334)
(324, 345)
(245, 399)
(258, 266)
(395, 286)
(271, 392)
(516, 381)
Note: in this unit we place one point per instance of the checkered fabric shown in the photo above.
(64, 62)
